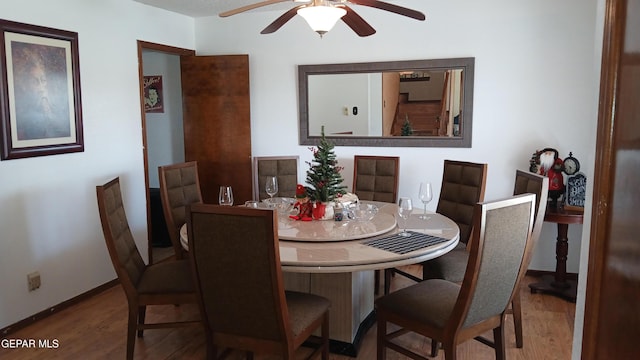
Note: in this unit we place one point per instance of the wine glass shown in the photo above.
(271, 187)
(225, 196)
(425, 194)
(404, 210)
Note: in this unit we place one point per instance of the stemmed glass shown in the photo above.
(272, 186)
(425, 194)
(404, 210)
(225, 196)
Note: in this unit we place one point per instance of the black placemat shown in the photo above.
(405, 244)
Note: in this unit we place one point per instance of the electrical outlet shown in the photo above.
(33, 280)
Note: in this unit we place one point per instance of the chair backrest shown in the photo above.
(528, 182)
(502, 231)
(179, 187)
(122, 248)
(236, 261)
(285, 168)
(463, 185)
(375, 178)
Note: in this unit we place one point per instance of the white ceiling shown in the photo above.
(201, 8)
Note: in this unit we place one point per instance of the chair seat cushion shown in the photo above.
(430, 302)
(168, 276)
(450, 266)
(304, 309)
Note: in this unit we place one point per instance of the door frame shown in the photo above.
(169, 50)
(603, 269)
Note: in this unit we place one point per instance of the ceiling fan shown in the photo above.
(321, 15)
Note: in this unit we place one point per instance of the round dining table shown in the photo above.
(337, 259)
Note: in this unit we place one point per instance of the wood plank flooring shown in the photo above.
(96, 329)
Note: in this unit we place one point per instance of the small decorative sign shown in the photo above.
(153, 102)
(576, 190)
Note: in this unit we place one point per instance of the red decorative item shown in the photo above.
(303, 205)
(318, 210)
(556, 181)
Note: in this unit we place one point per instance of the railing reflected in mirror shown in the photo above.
(425, 103)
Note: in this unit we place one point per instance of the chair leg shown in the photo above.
(325, 337)
(212, 350)
(499, 341)
(449, 350)
(142, 311)
(516, 306)
(382, 332)
(387, 280)
(131, 331)
(434, 347)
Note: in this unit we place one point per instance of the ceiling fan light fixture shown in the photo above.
(321, 18)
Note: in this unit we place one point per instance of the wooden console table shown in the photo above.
(558, 284)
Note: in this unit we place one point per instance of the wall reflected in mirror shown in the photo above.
(404, 103)
(398, 103)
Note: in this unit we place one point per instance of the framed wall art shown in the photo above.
(40, 106)
(153, 102)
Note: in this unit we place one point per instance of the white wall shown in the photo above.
(49, 219)
(335, 111)
(535, 85)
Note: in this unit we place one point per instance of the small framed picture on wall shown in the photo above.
(153, 101)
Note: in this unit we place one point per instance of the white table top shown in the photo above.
(300, 253)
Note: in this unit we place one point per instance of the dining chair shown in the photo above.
(179, 187)
(527, 182)
(167, 282)
(284, 168)
(463, 185)
(452, 267)
(451, 313)
(235, 259)
(375, 178)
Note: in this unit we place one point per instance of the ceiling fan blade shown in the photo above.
(390, 7)
(277, 24)
(250, 7)
(357, 23)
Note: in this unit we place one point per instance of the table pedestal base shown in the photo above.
(566, 290)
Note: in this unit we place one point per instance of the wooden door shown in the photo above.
(217, 129)
(612, 308)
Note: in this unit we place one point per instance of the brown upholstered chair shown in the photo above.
(168, 282)
(527, 182)
(452, 268)
(451, 313)
(179, 187)
(463, 185)
(375, 178)
(231, 247)
(285, 168)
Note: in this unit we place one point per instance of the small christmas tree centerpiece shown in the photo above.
(323, 178)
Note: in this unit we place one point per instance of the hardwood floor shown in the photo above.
(96, 329)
